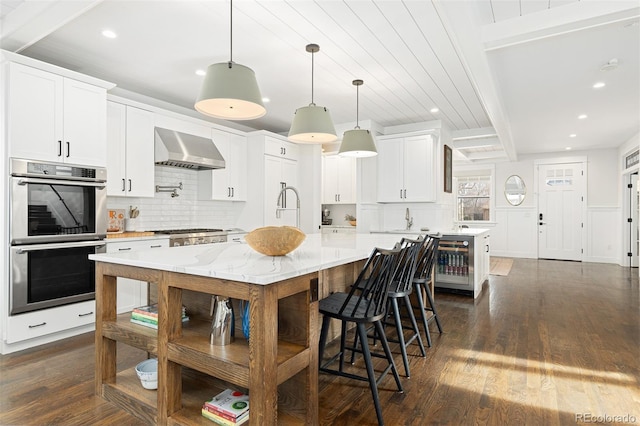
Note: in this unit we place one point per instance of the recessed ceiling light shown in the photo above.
(201, 72)
(572, 135)
(265, 100)
(109, 34)
(568, 148)
(599, 85)
(582, 116)
(434, 110)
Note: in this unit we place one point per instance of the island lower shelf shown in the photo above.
(279, 359)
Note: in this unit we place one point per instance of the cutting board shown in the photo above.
(131, 234)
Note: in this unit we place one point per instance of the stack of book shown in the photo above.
(228, 408)
(148, 316)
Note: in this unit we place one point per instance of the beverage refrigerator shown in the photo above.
(455, 264)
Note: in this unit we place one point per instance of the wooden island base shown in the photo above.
(278, 366)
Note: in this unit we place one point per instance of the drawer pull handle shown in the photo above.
(124, 249)
(156, 246)
(38, 325)
(85, 315)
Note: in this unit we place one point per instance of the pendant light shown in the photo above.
(357, 142)
(312, 124)
(229, 90)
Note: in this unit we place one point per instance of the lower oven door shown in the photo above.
(48, 275)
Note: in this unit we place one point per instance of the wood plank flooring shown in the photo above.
(552, 343)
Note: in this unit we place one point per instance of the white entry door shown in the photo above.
(560, 198)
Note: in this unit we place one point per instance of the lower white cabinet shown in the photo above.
(47, 321)
(338, 230)
(133, 293)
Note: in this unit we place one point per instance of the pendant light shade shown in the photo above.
(312, 124)
(229, 90)
(357, 142)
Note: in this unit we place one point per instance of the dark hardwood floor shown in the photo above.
(552, 343)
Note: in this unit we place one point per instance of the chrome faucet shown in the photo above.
(282, 196)
(408, 219)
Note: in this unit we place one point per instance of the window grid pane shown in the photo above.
(474, 198)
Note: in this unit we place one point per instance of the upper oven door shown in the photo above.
(50, 210)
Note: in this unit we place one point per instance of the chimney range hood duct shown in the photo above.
(179, 149)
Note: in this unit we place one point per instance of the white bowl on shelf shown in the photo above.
(147, 372)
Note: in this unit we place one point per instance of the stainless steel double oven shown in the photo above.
(57, 218)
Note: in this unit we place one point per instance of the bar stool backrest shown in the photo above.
(368, 294)
(403, 278)
(427, 257)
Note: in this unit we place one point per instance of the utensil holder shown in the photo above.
(221, 320)
(130, 225)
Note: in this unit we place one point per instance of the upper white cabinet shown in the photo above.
(130, 165)
(406, 169)
(230, 183)
(338, 180)
(280, 148)
(55, 118)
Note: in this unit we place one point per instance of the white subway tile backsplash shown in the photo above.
(185, 211)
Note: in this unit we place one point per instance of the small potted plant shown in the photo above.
(350, 219)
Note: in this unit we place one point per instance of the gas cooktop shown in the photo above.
(188, 231)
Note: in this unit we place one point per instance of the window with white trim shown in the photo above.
(473, 198)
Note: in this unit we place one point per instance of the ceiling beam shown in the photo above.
(487, 155)
(560, 20)
(31, 21)
(476, 143)
(481, 132)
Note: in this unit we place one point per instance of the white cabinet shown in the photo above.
(230, 183)
(130, 165)
(338, 230)
(338, 180)
(132, 293)
(48, 321)
(54, 118)
(279, 173)
(406, 169)
(281, 149)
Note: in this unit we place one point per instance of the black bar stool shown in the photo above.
(399, 292)
(421, 281)
(364, 305)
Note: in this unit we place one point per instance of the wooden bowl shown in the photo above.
(275, 240)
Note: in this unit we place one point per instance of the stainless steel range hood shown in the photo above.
(178, 149)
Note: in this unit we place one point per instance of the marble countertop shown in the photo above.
(416, 232)
(238, 262)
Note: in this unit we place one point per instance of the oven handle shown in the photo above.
(24, 181)
(53, 246)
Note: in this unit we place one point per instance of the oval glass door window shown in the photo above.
(515, 190)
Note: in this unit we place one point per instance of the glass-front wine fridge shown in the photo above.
(454, 269)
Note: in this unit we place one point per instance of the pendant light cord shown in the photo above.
(230, 32)
(357, 107)
(312, 66)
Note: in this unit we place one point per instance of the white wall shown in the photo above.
(515, 234)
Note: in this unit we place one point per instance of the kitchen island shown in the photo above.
(279, 363)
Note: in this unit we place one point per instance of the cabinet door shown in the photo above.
(116, 154)
(220, 180)
(85, 123)
(279, 148)
(35, 114)
(346, 184)
(140, 163)
(238, 170)
(230, 183)
(330, 179)
(390, 170)
(419, 169)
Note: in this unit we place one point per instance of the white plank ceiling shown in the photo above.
(509, 77)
